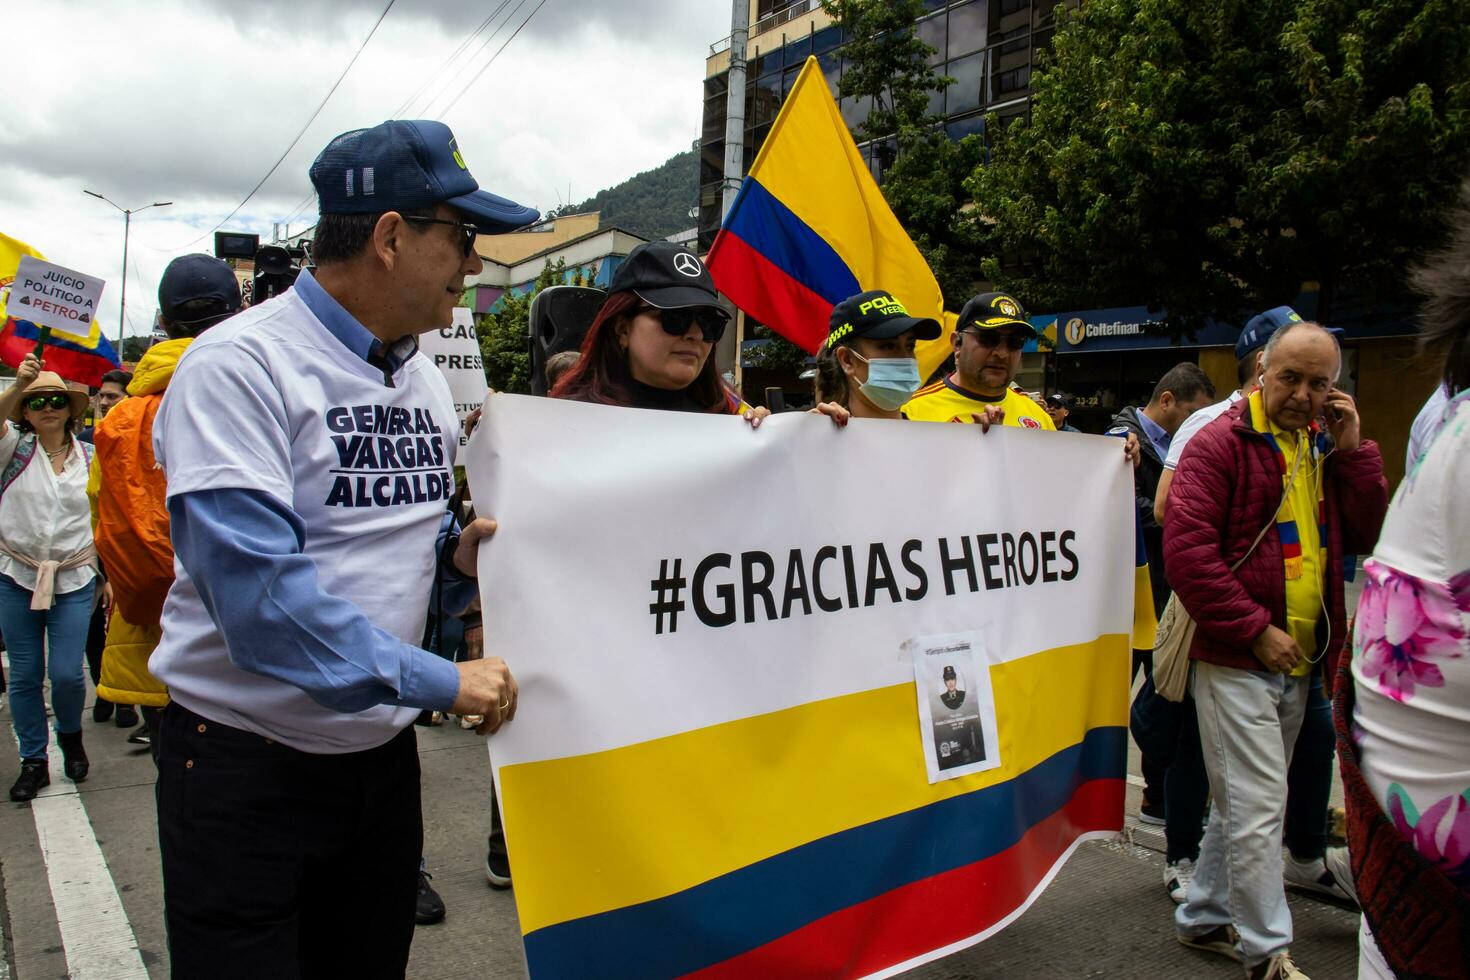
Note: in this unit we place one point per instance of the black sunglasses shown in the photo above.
(711, 319)
(47, 401)
(1012, 340)
(468, 245)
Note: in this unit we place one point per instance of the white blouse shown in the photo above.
(45, 514)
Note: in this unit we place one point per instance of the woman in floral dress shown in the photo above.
(1411, 678)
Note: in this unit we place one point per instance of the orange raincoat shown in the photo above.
(132, 530)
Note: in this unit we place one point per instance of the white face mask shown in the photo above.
(891, 382)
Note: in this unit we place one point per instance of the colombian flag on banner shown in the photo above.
(719, 763)
(810, 228)
(83, 358)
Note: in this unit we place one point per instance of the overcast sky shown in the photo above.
(192, 103)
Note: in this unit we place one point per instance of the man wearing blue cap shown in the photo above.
(310, 453)
(1309, 780)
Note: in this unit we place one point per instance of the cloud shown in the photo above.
(207, 96)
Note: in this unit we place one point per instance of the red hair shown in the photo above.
(602, 374)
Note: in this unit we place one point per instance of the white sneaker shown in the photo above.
(1177, 877)
(1330, 875)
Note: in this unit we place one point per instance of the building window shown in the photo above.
(931, 31)
(1012, 81)
(967, 28)
(969, 80)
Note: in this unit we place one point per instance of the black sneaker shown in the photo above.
(1151, 813)
(102, 711)
(34, 775)
(74, 757)
(127, 716)
(497, 866)
(140, 736)
(430, 907)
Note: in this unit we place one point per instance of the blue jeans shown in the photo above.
(44, 641)
(1309, 781)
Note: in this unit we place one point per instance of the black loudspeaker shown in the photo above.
(560, 317)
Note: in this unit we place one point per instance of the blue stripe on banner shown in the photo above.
(754, 905)
(772, 229)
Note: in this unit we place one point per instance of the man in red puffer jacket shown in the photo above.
(1267, 465)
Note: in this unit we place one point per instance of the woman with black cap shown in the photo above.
(650, 344)
(48, 574)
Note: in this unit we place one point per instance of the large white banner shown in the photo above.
(780, 684)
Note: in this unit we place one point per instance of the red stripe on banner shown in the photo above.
(935, 912)
(763, 290)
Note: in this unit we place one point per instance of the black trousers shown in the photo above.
(281, 864)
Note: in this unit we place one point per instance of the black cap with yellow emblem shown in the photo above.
(876, 315)
(990, 310)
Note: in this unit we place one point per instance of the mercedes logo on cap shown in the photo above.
(688, 265)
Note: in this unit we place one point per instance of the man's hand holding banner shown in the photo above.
(719, 765)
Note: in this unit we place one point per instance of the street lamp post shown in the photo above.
(122, 311)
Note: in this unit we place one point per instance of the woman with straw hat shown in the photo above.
(48, 573)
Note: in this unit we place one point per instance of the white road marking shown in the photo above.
(96, 937)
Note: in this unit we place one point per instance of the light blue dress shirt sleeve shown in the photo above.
(243, 552)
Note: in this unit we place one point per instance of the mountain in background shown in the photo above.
(655, 204)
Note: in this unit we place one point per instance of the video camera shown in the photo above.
(276, 268)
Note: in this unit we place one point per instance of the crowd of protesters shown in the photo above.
(212, 545)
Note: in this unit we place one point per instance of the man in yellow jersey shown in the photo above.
(988, 338)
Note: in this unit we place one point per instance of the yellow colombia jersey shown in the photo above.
(945, 401)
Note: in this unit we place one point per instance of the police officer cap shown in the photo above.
(876, 315)
(949, 673)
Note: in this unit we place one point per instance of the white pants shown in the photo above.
(1371, 964)
(1248, 723)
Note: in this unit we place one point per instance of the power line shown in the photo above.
(320, 106)
(445, 111)
(444, 72)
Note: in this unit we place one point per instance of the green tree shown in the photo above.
(505, 334)
(134, 347)
(1210, 158)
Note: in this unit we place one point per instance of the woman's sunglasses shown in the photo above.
(468, 231)
(40, 402)
(711, 319)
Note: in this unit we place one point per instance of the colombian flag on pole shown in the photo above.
(810, 228)
(83, 358)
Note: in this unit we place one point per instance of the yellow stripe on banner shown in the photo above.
(583, 830)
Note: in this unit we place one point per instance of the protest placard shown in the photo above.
(54, 296)
(720, 759)
(455, 351)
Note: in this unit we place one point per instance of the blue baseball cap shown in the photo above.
(1259, 328)
(193, 277)
(406, 165)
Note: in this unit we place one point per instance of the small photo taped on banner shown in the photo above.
(956, 706)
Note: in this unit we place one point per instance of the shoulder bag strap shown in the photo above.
(1295, 465)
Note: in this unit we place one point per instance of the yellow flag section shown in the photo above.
(718, 766)
(810, 228)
